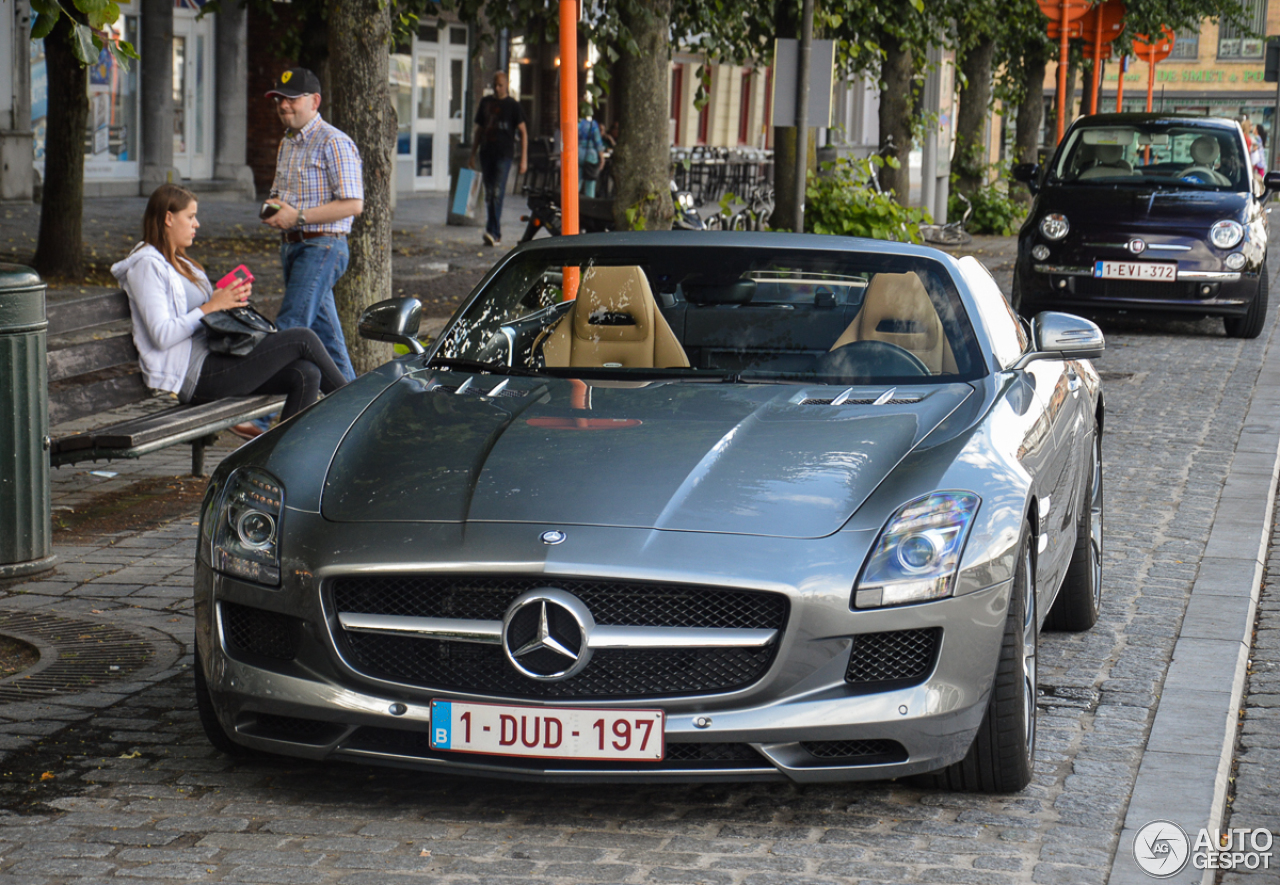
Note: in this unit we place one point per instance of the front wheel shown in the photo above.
(1000, 759)
(213, 729)
(1250, 325)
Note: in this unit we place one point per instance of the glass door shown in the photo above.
(192, 95)
(425, 115)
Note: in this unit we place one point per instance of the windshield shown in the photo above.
(1181, 155)
(719, 314)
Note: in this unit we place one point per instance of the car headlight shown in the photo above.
(917, 555)
(1234, 261)
(1226, 233)
(246, 535)
(1054, 226)
(1039, 251)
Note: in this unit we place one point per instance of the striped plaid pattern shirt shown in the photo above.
(316, 165)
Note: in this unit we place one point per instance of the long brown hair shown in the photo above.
(165, 199)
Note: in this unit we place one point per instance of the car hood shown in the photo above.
(1094, 205)
(682, 456)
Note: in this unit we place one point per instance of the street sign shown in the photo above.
(1104, 53)
(1056, 10)
(1112, 15)
(786, 69)
(1154, 52)
(1074, 29)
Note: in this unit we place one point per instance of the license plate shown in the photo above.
(547, 732)
(1153, 271)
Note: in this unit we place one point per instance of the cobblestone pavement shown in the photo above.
(116, 783)
(1255, 801)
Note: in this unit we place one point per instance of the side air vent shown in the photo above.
(826, 401)
(470, 387)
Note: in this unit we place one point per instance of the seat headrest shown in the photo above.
(1109, 154)
(1204, 150)
(614, 304)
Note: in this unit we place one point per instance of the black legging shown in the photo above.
(291, 361)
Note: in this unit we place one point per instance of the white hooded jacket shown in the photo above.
(162, 325)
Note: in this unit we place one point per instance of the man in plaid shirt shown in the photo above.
(318, 189)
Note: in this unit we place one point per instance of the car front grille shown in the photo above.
(866, 752)
(691, 756)
(1135, 290)
(612, 673)
(892, 659)
(260, 633)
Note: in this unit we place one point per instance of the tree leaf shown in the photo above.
(46, 7)
(43, 25)
(91, 6)
(82, 44)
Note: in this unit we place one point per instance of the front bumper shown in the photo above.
(315, 706)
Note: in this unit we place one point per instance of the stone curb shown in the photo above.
(1185, 768)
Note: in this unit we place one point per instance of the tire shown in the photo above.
(1000, 759)
(1250, 325)
(213, 729)
(1080, 599)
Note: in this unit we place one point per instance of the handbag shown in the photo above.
(236, 332)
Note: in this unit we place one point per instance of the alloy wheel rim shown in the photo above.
(1029, 675)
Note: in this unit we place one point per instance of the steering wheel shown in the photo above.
(870, 359)
(1210, 176)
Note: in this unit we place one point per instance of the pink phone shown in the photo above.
(239, 275)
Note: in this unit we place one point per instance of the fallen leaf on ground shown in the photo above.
(48, 776)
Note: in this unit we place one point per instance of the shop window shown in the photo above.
(1243, 42)
(458, 36)
(402, 100)
(1186, 47)
(744, 109)
(677, 103)
(429, 33)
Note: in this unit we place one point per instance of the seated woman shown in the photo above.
(168, 295)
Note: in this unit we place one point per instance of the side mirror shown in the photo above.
(395, 320)
(1063, 336)
(1028, 174)
(1271, 181)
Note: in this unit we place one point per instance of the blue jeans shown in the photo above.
(310, 270)
(494, 171)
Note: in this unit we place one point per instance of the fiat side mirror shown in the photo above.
(1272, 181)
(1028, 174)
(395, 320)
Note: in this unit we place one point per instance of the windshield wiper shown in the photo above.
(451, 362)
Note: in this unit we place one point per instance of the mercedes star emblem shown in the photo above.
(545, 634)
(1137, 246)
(553, 537)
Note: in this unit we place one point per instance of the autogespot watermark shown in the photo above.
(1163, 849)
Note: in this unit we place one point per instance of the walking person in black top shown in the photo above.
(498, 119)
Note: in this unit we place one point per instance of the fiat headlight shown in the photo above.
(1054, 226)
(917, 555)
(246, 535)
(1226, 233)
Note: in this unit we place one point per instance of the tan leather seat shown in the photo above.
(897, 310)
(614, 321)
(1109, 162)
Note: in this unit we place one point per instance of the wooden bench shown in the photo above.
(93, 368)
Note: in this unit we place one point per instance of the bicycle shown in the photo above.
(952, 233)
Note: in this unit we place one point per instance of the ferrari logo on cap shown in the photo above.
(286, 77)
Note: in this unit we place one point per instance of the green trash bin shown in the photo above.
(25, 529)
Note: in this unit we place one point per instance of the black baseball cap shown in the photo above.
(295, 82)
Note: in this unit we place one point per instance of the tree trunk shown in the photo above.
(59, 251)
(1029, 126)
(896, 108)
(971, 117)
(359, 36)
(1072, 70)
(642, 170)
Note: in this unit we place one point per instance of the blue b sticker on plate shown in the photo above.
(1097, 268)
(441, 720)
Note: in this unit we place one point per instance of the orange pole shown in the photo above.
(1120, 71)
(1063, 50)
(1151, 77)
(569, 133)
(1097, 61)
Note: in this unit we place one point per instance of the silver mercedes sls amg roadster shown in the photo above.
(659, 506)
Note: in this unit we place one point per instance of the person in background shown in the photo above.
(1258, 154)
(498, 121)
(590, 155)
(169, 294)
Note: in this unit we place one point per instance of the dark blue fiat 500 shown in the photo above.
(1158, 212)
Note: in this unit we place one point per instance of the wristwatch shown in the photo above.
(302, 217)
